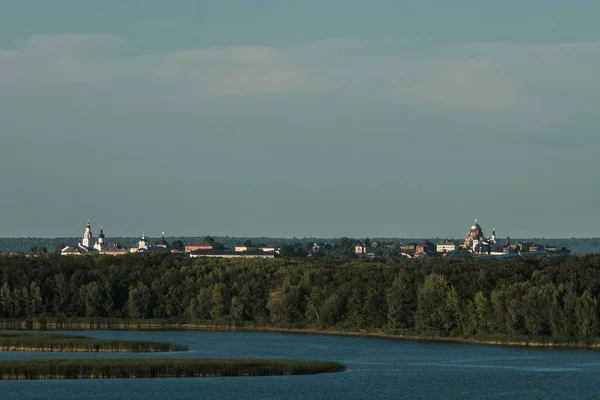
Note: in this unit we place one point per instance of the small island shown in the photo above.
(158, 368)
(34, 341)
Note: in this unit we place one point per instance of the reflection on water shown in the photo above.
(377, 368)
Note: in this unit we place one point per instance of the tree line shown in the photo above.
(555, 297)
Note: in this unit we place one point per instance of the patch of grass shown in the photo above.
(158, 368)
(32, 341)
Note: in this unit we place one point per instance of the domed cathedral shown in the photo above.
(476, 242)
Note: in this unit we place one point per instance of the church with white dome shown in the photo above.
(475, 242)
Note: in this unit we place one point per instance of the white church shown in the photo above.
(88, 246)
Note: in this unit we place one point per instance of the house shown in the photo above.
(269, 249)
(425, 247)
(409, 247)
(191, 247)
(360, 249)
(242, 247)
(72, 251)
(447, 247)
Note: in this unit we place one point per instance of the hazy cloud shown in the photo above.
(547, 81)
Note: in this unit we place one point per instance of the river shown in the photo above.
(376, 369)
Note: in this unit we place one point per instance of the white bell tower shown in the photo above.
(142, 244)
(87, 236)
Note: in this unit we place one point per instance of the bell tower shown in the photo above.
(87, 236)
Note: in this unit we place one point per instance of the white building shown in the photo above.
(447, 248)
(475, 242)
(87, 245)
(142, 245)
(360, 249)
(245, 248)
(230, 254)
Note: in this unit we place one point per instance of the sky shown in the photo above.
(325, 118)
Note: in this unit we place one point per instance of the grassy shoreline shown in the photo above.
(52, 342)
(158, 368)
(156, 324)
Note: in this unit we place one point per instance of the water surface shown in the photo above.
(376, 369)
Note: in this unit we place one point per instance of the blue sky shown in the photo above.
(313, 118)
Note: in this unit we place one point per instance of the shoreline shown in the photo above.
(153, 325)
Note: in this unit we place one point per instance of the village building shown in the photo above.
(426, 247)
(360, 249)
(231, 254)
(449, 247)
(192, 247)
(408, 247)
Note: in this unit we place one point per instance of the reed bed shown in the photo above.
(27, 341)
(158, 368)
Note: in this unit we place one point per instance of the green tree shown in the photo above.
(402, 303)
(17, 308)
(483, 311)
(139, 301)
(178, 245)
(61, 295)
(586, 311)
(6, 301)
(431, 314)
(453, 313)
(92, 297)
(35, 301)
(237, 309)
(217, 310)
(286, 305)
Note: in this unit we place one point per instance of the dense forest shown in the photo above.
(554, 297)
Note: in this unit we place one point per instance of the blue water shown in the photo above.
(377, 369)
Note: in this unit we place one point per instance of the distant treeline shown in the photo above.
(576, 245)
(555, 297)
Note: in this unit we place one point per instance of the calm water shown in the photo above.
(377, 369)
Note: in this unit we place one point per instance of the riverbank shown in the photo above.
(158, 324)
(52, 342)
(158, 368)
